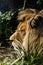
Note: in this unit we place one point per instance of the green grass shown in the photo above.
(26, 58)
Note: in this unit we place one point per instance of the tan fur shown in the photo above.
(27, 35)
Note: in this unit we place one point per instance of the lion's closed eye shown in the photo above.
(23, 32)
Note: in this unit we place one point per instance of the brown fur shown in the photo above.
(30, 34)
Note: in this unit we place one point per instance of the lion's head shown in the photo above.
(29, 30)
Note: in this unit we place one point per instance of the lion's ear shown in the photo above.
(41, 13)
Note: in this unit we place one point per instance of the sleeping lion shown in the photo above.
(29, 32)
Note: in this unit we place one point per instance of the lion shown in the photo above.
(29, 32)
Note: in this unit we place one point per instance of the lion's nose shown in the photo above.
(17, 36)
(13, 36)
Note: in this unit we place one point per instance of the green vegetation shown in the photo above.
(39, 2)
(5, 29)
(5, 32)
(26, 59)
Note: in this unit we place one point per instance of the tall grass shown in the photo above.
(24, 58)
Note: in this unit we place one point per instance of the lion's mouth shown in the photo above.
(17, 45)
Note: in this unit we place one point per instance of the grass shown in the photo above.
(26, 58)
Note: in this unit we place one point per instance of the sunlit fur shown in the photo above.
(31, 37)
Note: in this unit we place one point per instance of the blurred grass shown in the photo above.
(26, 59)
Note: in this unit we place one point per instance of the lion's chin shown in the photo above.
(17, 45)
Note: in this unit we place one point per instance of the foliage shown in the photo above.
(5, 30)
(39, 2)
(1, 63)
